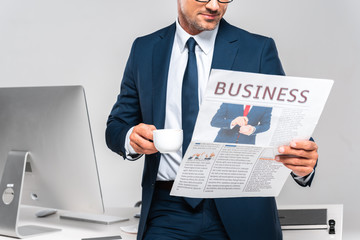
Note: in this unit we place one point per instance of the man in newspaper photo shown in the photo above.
(239, 124)
(162, 87)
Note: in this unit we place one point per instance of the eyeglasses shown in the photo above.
(220, 1)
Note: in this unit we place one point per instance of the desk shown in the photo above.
(75, 230)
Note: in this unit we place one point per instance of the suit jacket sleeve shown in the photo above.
(270, 62)
(264, 123)
(126, 111)
(221, 119)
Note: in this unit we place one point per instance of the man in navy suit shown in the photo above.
(240, 125)
(150, 98)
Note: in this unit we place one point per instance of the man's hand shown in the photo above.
(241, 121)
(300, 157)
(247, 130)
(141, 139)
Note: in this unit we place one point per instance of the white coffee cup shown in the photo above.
(168, 140)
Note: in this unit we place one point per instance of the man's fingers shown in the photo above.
(300, 171)
(300, 166)
(241, 121)
(144, 130)
(300, 152)
(143, 149)
(305, 145)
(300, 156)
(295, 161)
(136, 148)
(306, 149)
(246, 130)
(141, 139)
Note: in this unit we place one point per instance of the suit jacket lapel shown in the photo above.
(161, 60)
(224, 53)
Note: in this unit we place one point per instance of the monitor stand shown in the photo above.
(10, 198)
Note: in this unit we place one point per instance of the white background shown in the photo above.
(87, 42)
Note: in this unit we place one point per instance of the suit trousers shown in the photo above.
(171, 217)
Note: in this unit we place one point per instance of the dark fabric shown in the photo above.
(172, 218)
(189, 95)
(165, 185)
(190, 103)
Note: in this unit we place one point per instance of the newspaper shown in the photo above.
(235, 158)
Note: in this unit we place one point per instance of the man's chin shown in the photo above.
(208, 25)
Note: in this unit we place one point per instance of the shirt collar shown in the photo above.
(205, 40)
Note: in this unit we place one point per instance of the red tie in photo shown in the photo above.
(246, 110)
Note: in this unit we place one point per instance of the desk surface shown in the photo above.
(72, 230)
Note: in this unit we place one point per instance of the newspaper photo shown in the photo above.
(243, 119)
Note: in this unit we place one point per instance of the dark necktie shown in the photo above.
(189, 95)
(190, 104)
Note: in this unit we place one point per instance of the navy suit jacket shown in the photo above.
(259, 117)
(142, 98)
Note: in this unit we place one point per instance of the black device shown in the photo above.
(331, 226)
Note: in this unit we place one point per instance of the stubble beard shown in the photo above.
(200, 27)
(197, 25)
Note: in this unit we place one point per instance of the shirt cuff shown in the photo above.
(254, 130)
(302, 180)
(129, 151)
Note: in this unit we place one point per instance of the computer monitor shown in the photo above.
(49, 128)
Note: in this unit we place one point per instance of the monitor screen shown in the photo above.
(52, 124)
